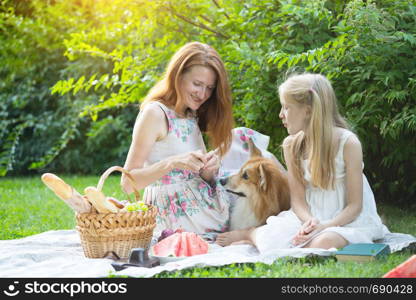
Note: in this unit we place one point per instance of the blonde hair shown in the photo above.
(215, 115)
(316, 142)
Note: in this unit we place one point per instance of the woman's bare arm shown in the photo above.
(150, 127)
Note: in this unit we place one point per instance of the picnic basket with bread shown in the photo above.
(106, 225)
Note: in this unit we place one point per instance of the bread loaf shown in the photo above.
(66, 192)
(99, 201)
(57, 185)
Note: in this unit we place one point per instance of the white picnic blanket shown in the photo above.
(58, 253)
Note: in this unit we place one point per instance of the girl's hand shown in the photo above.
(308, 226)
(193, 161)
(307, 231)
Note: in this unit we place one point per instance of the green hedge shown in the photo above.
(73, 74)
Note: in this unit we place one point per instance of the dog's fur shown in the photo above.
(262, 190)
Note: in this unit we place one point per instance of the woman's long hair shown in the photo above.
(317, 142)
(215, 115)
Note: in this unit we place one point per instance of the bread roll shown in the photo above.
(66, 192)
(117, 203)
(99, 201)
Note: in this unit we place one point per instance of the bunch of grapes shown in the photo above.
(137, 206)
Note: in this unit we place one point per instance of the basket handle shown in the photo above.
(125, 172)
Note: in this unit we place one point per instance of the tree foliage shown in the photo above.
(75, 71)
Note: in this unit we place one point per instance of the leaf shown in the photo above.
(282, 62)
(79, 85)
(8, 148)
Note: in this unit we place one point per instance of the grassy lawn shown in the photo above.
(28, 207)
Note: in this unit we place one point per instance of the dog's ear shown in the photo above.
(254, 151)
(263, 178)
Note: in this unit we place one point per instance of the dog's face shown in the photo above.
(251, 178)
(261, 184)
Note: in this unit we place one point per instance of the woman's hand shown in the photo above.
(211, 166)
(212, 162)
(193, 161)
(126, 185)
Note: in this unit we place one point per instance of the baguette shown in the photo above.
(66, 193)
(99, 201)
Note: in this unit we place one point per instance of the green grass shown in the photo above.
(28, 207)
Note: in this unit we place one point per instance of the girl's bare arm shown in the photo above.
(297, 188)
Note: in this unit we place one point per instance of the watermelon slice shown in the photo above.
(181, 244)
(406, 269)
(183, 247)
(195, 245)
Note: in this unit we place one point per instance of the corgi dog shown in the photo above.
(262, 190)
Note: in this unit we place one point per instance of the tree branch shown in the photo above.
(179, 30)
(197, 24)
(218, 6)
(206, 18)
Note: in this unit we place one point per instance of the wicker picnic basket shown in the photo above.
(115, 233)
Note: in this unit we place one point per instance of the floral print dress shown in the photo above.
(183, 199)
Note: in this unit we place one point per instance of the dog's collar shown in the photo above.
(237, 193)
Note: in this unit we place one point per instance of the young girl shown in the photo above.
(331, 201)
(168, 156)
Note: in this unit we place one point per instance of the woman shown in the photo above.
(168, 156)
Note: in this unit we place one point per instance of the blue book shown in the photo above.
(362, 252)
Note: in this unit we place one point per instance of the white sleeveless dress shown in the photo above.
(183, 199)
(325, 205)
